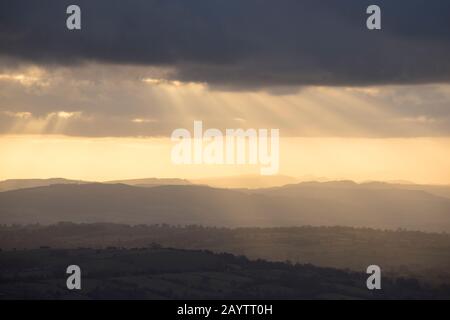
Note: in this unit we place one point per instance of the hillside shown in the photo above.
(287, 206)
(416, 254)
(13, 184)
(149, 182)
(246, 181)
(162, 273)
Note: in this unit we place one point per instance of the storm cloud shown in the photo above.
(145, 68)
(239, 44)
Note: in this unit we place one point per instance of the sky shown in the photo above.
(100, 103)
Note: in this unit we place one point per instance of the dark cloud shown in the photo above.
(93, 82)
(252, 43)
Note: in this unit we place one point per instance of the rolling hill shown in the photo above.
(340, 203)
(166, 273)
(14, 184)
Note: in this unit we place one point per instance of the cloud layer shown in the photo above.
(145, 68)
(240, 44)
(106, 100)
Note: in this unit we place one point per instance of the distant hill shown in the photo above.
(234, 182)
(129, 204)
(368, 204)
(328, 204)
(164, 273)
(150, 182)
(246, 181)
(13, 184)
(439, 190)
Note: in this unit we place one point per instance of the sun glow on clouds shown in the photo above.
(53, 122)
(28, 77)
(143, 101)
(174, 83)
(140, 120)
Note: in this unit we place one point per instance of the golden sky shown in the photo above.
(101, 102)
(103, 122)
(420, 160)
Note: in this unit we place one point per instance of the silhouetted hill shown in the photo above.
(438, 190)
(13, 184)
(159, 273)
(150, 182)
(425, 256)
(302, 204)
(246, 181)
(128, 204)
(373, 205)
